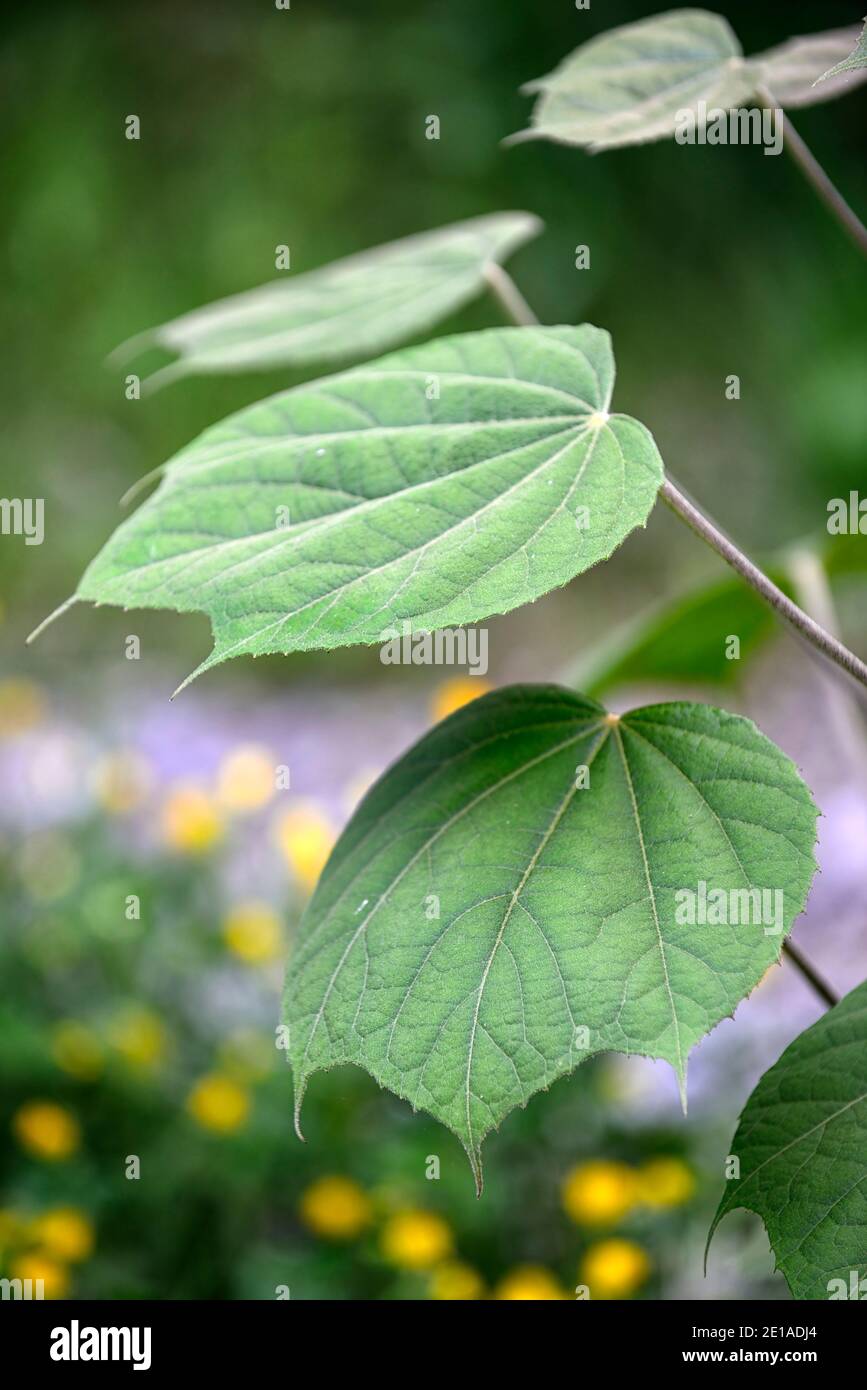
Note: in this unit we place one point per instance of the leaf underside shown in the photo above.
(632, 84)
(352, 308)
(802, 1146)
(431, 488)
(556, 905)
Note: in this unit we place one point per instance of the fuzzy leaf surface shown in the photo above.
(433, 487)
(802, 1146)
(853, 61)
(484, 924)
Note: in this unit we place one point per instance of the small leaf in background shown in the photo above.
(352, 308)
(854, 60)
(625, 86)
(504, 903)
(628, 86)
(431, 488)
(802, 1148)
(790, 71)
(686, 640)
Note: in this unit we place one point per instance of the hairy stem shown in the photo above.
(824, 642)
(816, 176)
(508, 296)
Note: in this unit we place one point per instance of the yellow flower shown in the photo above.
(305, 837)
(454, 1281)
(530, 1283)
(614, 1268)
(218, 1103)
(64, 1233)
(54, 1275)
(455, 693)
(139, 1037)
(77, 1050)
(22, 707)
(599, 1193)
(46, 1130)
(665, 1182)
(191, 822)
(122, 782)
(416, 1239)
(253, 932)
(336, 1208)
(246, 779)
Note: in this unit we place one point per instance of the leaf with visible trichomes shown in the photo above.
(791, 71)
(509, 899)
(635, 83)
(802, 1148)
(351, 308)
(852, 61)
(431, 488)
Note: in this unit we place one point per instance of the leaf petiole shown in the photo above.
(815, 175)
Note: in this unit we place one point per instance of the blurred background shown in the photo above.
(153, 869)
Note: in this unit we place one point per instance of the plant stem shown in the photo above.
(507, 294)
(824, 991)
(516, 307)
(816, 176)
(824, 642)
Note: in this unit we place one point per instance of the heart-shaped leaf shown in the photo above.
(631, 84)
(352, 308)
(514, 895)
(428, 489)
(802, 1149)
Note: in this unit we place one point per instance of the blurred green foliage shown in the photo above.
(262, 127)
(306, 126)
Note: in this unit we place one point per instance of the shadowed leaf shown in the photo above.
(489, 919)
(802, 1148)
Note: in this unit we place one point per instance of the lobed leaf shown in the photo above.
(802, 1147)
(431, 488)
(352, 308)
(484, 923)
(629, 85)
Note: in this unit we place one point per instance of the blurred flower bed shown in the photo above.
(147, 1145)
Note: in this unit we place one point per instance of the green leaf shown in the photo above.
(802, 1147)
(685, 640)
(626, 86)
(484, 923)
(792, 70)
(854, 60)
(352, 308)
(431, 488)
(629, 85)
